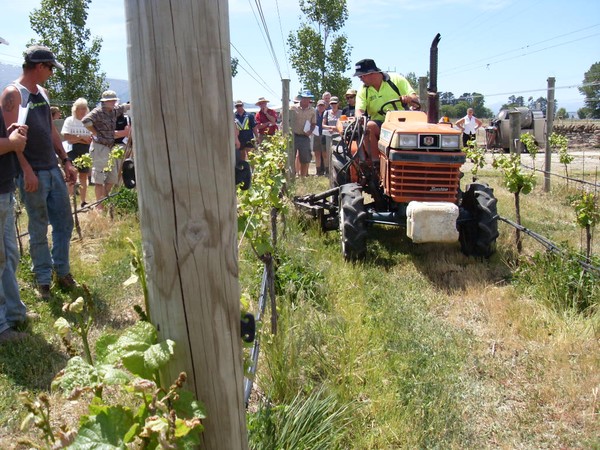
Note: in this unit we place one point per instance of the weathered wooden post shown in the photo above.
(514, 120)
(180, 72)
(549, 126)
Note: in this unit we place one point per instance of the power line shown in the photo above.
(462, 66)
(261, 82)
(271, 48)
(262, 26)
(487, 65)
(283, 40)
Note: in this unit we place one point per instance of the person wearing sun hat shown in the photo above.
(102, 123)
(348, 110)
(378, 88)
(303, 121)
(266, 120)
(40, 181)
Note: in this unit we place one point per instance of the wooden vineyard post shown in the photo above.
(180, 83)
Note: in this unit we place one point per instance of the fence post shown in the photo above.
(515, 131)
(285, 124)
(549, 126)
(423, 94)
(179, 59)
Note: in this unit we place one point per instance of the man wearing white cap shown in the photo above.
(102, 123)
(41, 182)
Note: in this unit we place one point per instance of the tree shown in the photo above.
(514, 102)
(61, 27)
(562, 114)
(234, 66)
(591, 90)
(318, 53)
(447, 98)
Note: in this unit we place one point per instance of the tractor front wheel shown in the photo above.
(478, 221)
(352, 222)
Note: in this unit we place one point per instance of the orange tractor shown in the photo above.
(413, 181)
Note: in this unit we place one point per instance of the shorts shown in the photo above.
(100, 173)
(319, 144)
(302, 145)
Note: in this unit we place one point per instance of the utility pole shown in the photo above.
(549, 126)
(179, 64)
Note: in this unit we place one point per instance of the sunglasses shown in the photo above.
(350, 96)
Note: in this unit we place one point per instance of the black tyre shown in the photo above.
(337, 175)
(352, 222)
(478, 221)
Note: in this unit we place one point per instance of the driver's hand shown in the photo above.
(411, 101)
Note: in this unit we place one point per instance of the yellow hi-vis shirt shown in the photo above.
(370, 99)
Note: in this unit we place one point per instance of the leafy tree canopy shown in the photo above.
(318, 53)
(591, 90)
(61, 25)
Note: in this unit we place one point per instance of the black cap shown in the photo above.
(40, 54)
(365, 66)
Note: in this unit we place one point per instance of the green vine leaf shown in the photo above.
(105, 430)
(139, 352)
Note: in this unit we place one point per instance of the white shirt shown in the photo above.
(469, 124)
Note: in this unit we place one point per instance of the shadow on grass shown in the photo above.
(444, 265)
(32, 363)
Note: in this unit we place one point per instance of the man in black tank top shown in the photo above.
(40, 180)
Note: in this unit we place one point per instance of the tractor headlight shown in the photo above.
(450, 141)
(406, 140)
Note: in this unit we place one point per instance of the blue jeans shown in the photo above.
(48, 205)
(12, 309)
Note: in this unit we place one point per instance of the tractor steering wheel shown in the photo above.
(395, 102)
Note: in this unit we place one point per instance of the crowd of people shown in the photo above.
(311, 125)
(34, 160)
(32, 151)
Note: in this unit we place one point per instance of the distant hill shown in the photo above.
(9, 73)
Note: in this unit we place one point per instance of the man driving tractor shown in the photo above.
(379, 88)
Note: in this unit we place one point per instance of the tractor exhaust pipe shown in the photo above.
(432, 93)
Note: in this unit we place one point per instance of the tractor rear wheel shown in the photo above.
(478, 221)
(352, 222)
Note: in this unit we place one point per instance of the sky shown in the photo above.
(497, 48)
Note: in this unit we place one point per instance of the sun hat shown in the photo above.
(40, 54)
(238, 103)
(334, 100)
(107, 96)
(365, 66)
(351, 92)
(321, 102)
(305, 93)
(261, 100)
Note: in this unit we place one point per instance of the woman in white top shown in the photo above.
(79, 140)
(469, 126)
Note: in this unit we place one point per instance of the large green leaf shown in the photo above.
(106, 430)
(78, 373)
(144, 363)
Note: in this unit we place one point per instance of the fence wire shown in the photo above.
(551, 246)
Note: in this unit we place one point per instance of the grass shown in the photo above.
(436, 350)
(101, 261)
(416, 347)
